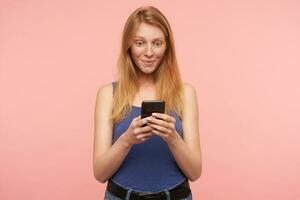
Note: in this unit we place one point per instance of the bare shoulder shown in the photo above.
(105, 91)
(190, 101)
(102, 116)
(104, 101)
(189, 91)
(190, 118)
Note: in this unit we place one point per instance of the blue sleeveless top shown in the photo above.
(149, 166)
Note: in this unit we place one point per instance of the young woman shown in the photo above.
(155, 161)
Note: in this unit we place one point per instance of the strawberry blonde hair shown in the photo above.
(167, 79)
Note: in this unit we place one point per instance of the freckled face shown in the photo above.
(148, 47)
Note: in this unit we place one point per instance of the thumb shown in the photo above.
(137, 118)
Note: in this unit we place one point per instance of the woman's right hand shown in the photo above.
(135, 133)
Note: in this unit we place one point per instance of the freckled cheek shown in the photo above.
(136, 52)
(158, 53)
(139, 52)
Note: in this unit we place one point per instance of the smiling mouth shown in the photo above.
(148, 61)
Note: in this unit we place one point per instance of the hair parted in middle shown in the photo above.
(167, 79)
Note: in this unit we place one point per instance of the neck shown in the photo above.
(146, 81)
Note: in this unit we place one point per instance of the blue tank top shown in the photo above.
(149, 166)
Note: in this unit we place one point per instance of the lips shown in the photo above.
(148, 61)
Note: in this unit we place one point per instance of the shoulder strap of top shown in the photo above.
(114, 83)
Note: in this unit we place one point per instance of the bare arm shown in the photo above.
(186, 151)
(107, 158)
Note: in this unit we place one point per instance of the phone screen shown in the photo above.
(151, 106)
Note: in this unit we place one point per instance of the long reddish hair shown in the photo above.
(167, 79)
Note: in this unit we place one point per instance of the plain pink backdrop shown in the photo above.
(241, 56)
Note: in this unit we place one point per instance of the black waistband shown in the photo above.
(179, 192)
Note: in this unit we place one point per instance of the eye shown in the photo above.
(139, 43)
(158, 43)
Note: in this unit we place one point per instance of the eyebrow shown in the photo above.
(153, 39)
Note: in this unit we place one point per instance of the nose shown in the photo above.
(149, 50)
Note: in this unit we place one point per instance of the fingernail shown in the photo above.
(154, 114)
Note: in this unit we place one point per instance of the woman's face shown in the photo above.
(148, 47)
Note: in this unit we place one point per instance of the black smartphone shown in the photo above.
(151, 106)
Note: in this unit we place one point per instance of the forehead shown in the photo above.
(149, 31)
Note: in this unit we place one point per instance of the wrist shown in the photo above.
(124, 140)
(174, 140)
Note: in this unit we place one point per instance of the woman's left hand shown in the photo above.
(164, 126)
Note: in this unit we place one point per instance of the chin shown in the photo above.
(148, 70)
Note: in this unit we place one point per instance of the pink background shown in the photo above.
(241, 56)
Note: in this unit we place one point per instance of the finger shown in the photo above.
(167, 125)
(140, 121)
(141, 127)
(161, 128)
(164, 117)
(146, 128)
(145, 135)
(156, 132)
(135, 121)
(144, 139)
(143, 122)
(137, 118)
(160, 122)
